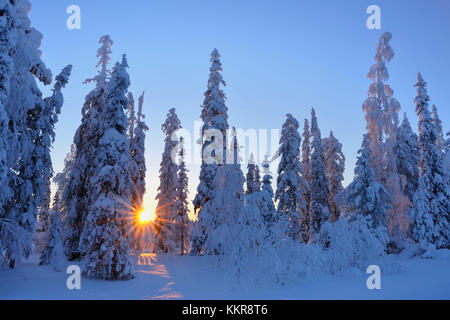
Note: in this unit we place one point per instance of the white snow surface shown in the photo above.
(194, 277)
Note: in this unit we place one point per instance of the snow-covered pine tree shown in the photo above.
(381, 110)
(365, 195)
(77, 196)
(320, 212)
(166, 211)
(440, 141)
(335, 166)
(45, 125)
(215, 117)
(407, 152)
(306, 165)
(253, 180)
(104, 241)
(431, 200)
(182, 219)
(290, 183)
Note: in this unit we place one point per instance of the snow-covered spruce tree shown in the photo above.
(24, 110)
(253, 180)
(432, 200)
(166, 210)
(320, 211)
(44, 170)
(7, 45)
(365, 195)
(61, 180)
(335, 166)
(77, 195)
(139, 144)
(131, 124)
(136, 134)
(306, 165)
(291, 183)
(251, 247)
(406, 149)
(267, 206)
(182, 218)
(381, 110)
(215, 117)
(222, 212)
(104, 241)
(243, 235)
(53, 253)
(440, 140)
(9, 240)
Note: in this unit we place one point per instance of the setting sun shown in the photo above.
(146, 217)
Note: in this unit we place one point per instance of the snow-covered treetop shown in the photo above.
(290, 152)
(252, 159)
(103, 53)
(253, 176)
(119, 84)
(317, 143)
(30, 41)
(383, 55)
(63, 78)
(440, 132)
(306, 149)
(140, 115)
(171, 124)
(54, 103)
(315, 131)
(266, 166)
(334, 158)
(214, 113)
(422, 98)
(267, 176)
(289, 132)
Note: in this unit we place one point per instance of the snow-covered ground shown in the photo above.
(188, 277)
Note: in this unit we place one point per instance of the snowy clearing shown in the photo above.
(193, 277)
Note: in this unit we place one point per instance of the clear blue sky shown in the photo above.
(278, 57)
